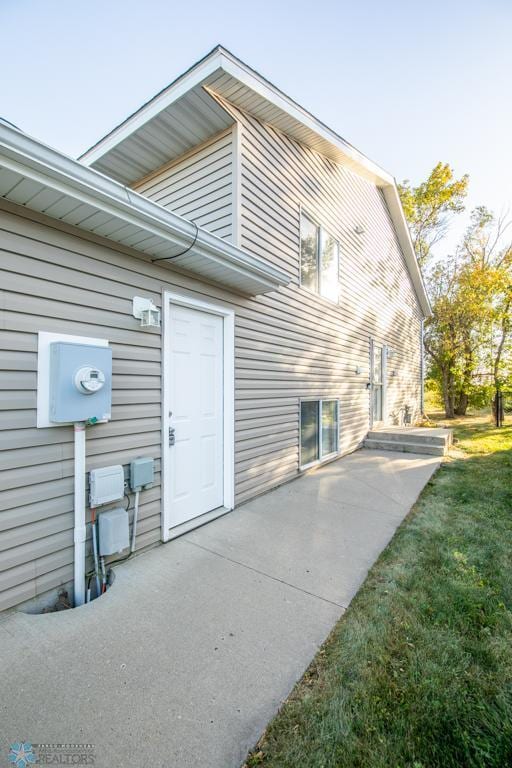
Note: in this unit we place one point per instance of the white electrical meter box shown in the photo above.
(80, 382)
(106, 485)
(114, 532)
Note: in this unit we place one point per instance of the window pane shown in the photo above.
(329, 267)
(329, 427)
(377, 402)
(308, 432)
(308, 254)
(377, 363)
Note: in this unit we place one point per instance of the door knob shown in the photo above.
(172, 436)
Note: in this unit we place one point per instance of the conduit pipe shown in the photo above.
(95, 551)
(79, 535)
(135, 516)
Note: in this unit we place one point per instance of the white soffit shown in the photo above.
(43, 180)
(191, 119)
(223, 74)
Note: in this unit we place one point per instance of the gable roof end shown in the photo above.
(222, 73)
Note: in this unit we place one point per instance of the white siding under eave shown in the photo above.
(198, 186)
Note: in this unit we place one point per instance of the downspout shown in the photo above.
(79, 534)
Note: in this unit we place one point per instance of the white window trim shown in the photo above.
(192, 302)
(303, 212)
(328, 456)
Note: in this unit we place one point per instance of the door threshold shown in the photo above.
(197, 522)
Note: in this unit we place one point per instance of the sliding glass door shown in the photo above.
(309, 426)
(318, 430)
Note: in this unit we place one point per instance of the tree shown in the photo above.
(490, 276)
(471, 292)
(445, 337)
(429, 207)
(471, 295)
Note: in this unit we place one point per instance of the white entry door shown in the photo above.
(196, 444)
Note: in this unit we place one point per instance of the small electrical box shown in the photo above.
(106, 485)
(80, 382)
(114, 532)
(141, 473)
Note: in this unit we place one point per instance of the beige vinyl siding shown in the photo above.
(55, 279)
(322, 344)
(55, 282)
(289, 344)
(198, 186)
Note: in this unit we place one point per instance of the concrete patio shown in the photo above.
(183, 662)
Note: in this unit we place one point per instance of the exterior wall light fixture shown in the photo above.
(145, 311)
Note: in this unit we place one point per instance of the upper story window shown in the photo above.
(319, 259)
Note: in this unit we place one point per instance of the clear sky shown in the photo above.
(408, 83)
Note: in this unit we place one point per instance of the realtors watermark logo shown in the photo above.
(21, 754)
(24, 754)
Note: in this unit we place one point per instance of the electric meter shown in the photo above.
(80, 382)
(89, 380)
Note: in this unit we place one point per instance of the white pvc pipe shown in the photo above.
(79, 536)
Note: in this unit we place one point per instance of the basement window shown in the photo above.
(319, 259)
(319, 422)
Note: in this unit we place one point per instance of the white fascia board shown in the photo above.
(40, 163)
(383, 179)
(266, 90)
(222, 59)
(157, 104)
(396, 211)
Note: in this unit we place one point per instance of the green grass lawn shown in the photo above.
(418, 672)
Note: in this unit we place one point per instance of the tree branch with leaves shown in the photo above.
(430, 206)
(470, 292)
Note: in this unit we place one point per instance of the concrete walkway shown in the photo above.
(183, 662)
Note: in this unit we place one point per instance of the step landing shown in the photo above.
(433, 441)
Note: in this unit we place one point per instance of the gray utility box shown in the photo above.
(80, 382)
(141, 473)
(106, 485)
(114, 531)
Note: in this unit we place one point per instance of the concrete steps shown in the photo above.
(430, 441)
